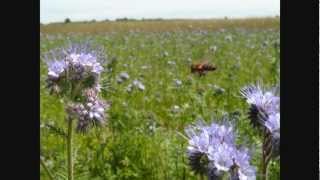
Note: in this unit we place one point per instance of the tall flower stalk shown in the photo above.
(70, 151)
(264, 114)
(74, 75)
(43, 164)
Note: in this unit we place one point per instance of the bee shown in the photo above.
(202, 68)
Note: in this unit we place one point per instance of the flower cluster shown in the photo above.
(265, 111)
(74, 73)
(263, 102)
(136, 84)
(77, 65)
(90, 112)
(212, 151)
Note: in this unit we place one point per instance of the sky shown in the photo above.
(77, 10)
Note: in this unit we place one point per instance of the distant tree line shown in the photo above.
(68, 20)
(142, 19)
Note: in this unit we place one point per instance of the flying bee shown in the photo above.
(202, 68)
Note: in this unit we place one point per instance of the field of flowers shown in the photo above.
(154, 97)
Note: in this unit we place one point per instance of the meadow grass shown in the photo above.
(142, 138)
(161, 25)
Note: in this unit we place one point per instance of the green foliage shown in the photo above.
(67, 20)
(141, 139)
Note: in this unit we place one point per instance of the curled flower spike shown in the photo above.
(264, 113)
(273, 122)
(268, 101)
(272, 136)
(261, 102)
(88, 114)
(198, 162)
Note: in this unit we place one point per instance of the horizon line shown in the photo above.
(160, 18)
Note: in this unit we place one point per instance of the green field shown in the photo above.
(142, 137)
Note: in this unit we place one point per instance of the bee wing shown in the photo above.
(200, 66)
(205, 61)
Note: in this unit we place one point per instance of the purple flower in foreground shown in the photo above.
(264, 112)
(56, 68)
(222, 156)
(87, 62)
(199, 142)
(78, 64)
(261, 102)
(245, 170)
(273, 122)
(272, 134)
(212, 149)
(228, 158)
(268, 101)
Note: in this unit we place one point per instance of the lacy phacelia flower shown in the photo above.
(83, 65)
(222, 155)
(89, 113)
(264, 112)
(272, 125)
(273, 122)
(227, 158)
(92, 112)
(56, 68)
(241, 161)
(261, 102)
(268, 101)
(78, 64)
(212, 149)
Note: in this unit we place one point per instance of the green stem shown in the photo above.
(201, 177)
(265, 161)
(264, 170)
(69, 148)
(46, 169)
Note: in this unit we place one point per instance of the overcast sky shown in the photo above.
(58, 10)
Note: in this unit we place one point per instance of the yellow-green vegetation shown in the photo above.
(160, 25)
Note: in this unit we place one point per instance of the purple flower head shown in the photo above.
(263, 104)
(242, 161)
(228, 158)
(56, 68)
(90, 112)
(77, 64)
(198, 137)
(273, 122)
(223, 133)
(87, 62)
(222, 155)
(216, 143)
(265, 113)
(201, 138)
(268, 101)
